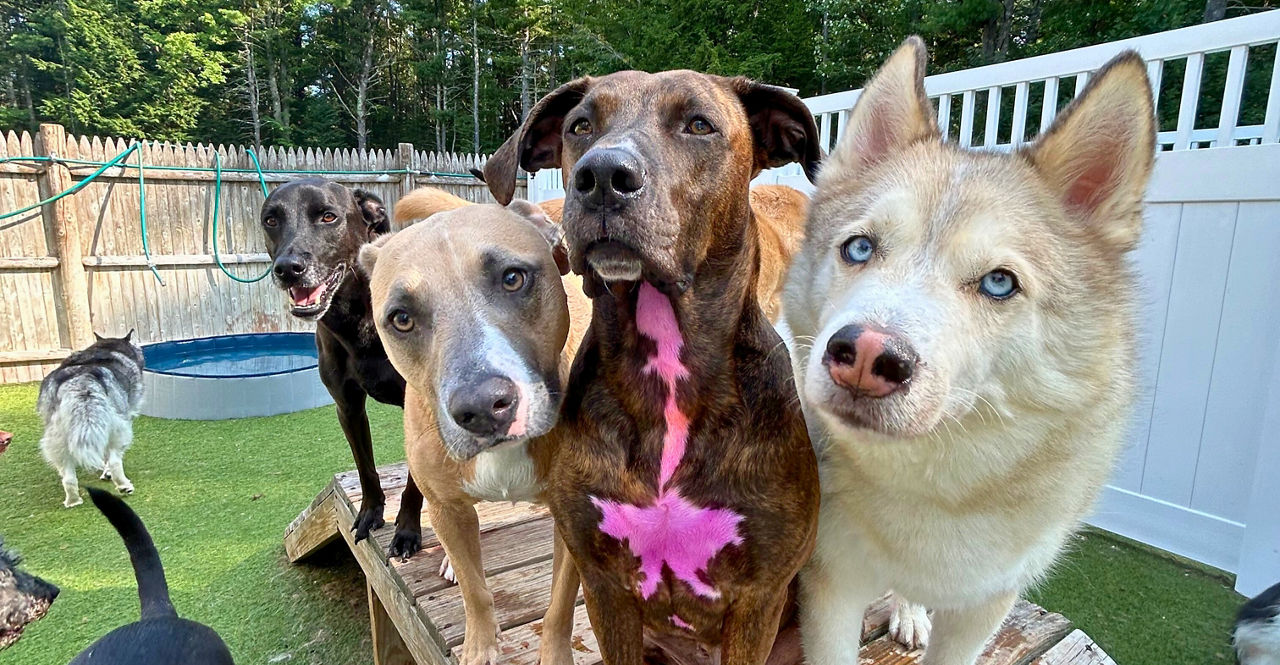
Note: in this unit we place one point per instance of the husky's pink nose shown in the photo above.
(870, 361)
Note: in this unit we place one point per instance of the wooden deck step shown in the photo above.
(417, 615)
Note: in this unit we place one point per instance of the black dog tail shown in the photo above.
(153, 590)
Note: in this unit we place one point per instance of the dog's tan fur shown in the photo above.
(420, 259)
(960, 490)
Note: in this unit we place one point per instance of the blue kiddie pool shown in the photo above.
(232, 376)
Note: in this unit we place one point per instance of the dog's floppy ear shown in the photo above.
(782, 126)
(549, 230)
(368, 256)
(892, 113)
(536, 144)
(373, 211)
(1098, 154)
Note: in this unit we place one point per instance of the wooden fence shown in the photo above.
(77, 266)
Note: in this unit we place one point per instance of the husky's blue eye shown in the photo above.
(998, 284)
(858, 249)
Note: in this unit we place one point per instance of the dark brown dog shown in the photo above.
(683, 481)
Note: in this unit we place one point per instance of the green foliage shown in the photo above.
(295, 72)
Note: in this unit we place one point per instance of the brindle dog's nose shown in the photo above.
(870, 361)
(288, 266)
(608, 177)
(487, 407)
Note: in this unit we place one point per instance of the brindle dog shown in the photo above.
(314, 231)
(683, 480)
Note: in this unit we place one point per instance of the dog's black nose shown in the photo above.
(870, 361)
(608, 177)
(288, 266)
(487, 407)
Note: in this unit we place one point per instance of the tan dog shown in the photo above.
(964, 351)
(472, 312)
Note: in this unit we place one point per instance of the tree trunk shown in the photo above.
(1215, 10)
(526, 99)
(251, 89)
(475, 79)
(1005, 31)
(362, 92)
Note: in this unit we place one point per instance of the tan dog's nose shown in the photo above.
(487, 407)
(608, 178)
(870, 361)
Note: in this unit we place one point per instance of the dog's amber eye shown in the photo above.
(699, 126)
(999, 284)
(271, 222)
(328, 218)
(400, 320)
(580, 127)
(858, 250)
(513, 279)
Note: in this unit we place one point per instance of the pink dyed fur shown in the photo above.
(671, 531)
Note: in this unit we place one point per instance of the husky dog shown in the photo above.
(160, 636)
(24, 598)
(88, 404)
(1257, 634)
(964, 351)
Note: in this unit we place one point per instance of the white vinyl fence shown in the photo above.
(1200, 476)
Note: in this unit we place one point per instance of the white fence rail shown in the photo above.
(1201, 472)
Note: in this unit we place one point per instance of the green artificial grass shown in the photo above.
(217, 497)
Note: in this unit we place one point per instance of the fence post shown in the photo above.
(61, 217)
(406, 162)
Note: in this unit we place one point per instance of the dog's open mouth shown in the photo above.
(309, 301)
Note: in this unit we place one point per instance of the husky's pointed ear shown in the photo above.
(549, 230)
(1099, 152)
(128, 337)
(536, 144)
(368, 256)
(97, 337)
(781, 125)
(892, 113)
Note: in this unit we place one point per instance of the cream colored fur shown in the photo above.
(961, 490)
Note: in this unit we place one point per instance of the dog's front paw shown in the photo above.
(480, 647)
(405, 543)
(369, 519)
(72, 503)
(446, 570)
(909, 624)
(126, 488)
(554, 654)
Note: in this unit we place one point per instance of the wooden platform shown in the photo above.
(417, 616)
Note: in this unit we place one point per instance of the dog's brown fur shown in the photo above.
(691, 234)
(442, 477)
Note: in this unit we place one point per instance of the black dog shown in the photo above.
(160, 637)
(24, 598)
(314, 231)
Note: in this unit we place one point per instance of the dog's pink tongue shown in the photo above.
(303, 295)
